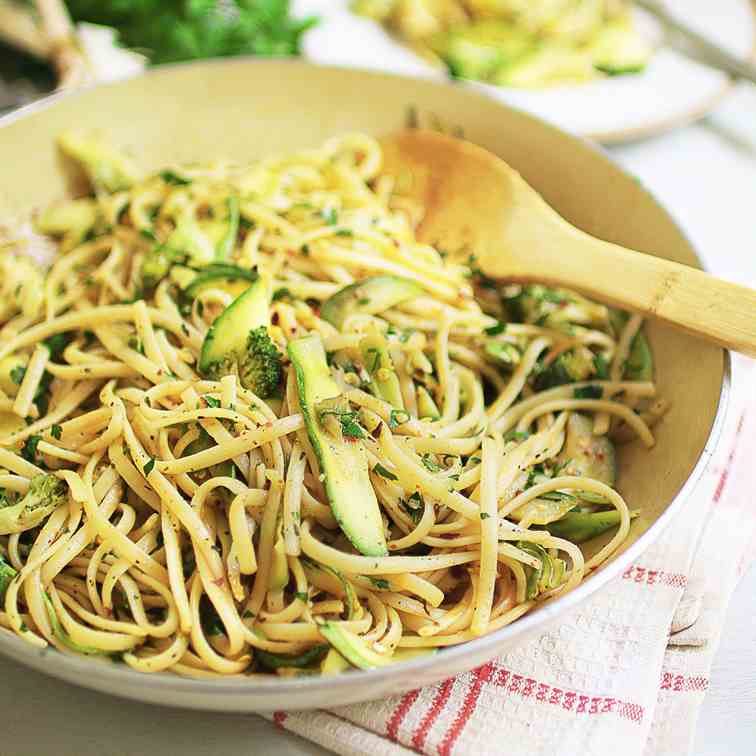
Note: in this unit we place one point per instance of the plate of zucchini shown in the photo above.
(600, 69)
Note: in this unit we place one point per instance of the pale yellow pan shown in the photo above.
(247, 109)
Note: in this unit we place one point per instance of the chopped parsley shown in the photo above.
(376, 357)
(17, 374)
(384, 473)
(478, 276)
(135, 343)
(330, 216)
(600, 365)
(56, 431)
(413, 506)
(484, 515)
(495, 330)
(148, 468)
(29, 449)
(209, 618)
(211, 401)
(281, 294)
(171, 177)
(430, 464)
(350, 426)
(344, 232)
(57, 343)
(397, 418)
(588, 392)
(515, 435)
(302, 596)
(380, 583)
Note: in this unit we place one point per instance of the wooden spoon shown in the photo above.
(476, 203)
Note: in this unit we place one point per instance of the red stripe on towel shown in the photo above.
(439, 701)
(480, 676)
(396, 719)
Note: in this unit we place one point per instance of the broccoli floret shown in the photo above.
(46, 493)
(503, 353)
(569, 367)
(12, 370)
(193, 243)
(187, 244)
(22, 286)
(558, 309)
(72, 220)
(157, 263)
(106, 167)
(7, 573)
(260, 366)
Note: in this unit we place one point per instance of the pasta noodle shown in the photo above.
(177, 514)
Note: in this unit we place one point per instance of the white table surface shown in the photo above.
(706, 176)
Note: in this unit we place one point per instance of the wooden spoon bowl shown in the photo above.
(476, 204)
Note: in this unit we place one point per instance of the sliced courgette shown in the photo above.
(579, 527)
(640, 360)
(585, 454)
(384, 382)
(227, 336)
(307, 658)
(225, 245)
(352, 647)
(279, 564)
(229, 278)
(332, 580)
(343, 461)
(619, 49)
(334, 663)
(479, 50)
(203, 442)
(369, 297)
(427, 409)
(407, 654)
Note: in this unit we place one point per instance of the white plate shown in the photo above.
(673, 90)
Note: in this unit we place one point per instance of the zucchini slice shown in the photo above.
(343, 461)
(586, 454)
(369, 297)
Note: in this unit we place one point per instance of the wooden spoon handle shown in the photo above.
(684, 297)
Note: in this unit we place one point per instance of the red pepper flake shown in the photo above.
(219, 582)
(274, 318)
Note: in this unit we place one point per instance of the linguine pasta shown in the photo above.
(162, 513)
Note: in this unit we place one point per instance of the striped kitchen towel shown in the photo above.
(624, 674)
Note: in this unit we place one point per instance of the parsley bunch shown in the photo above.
(174, 30)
